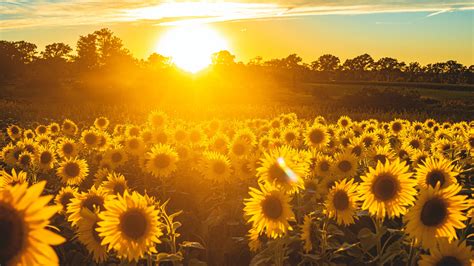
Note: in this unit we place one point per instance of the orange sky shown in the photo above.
(424, 32)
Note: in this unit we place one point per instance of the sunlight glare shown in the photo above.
(191, 46)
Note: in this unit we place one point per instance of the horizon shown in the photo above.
(307, 30)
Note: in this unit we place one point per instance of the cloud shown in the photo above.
(42, 13)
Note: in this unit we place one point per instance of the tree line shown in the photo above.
(103, 54)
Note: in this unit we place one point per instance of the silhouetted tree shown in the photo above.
(327, 62)
(223, 58)
(56, 51)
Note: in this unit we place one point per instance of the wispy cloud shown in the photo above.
(42, 13)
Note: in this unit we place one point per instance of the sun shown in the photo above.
(191, 46)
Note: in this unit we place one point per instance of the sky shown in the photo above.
(426, 31)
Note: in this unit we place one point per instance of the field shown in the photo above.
(302, 178)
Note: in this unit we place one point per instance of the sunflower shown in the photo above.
(269, 211)
(101, 123)
(344, 121)
(115, 184)
(54, 129)
(46, 158)
(388, 189)
(14, 132)
(134, 145)
(69, 128)
(381, 154)
(419, 157)
(64, 197)
(290, 136)
(345, 164)
(43, 140)
(72, 171)
(196, 136)
(130, 226)
(157, 119)
(29, 134)
(161, 160)
(239, 148)
(88, 236)
(67, 148)
(25, 160)
(307, 232)
(116, 157)
(397, 126)
(12, 179)
(280, 168)
(41, 130)
(215, 166)
(323, 165)
(90, 138)
(437, 213)
(93, 200)
(24, 216)
(316, 136)
(341, 202)
(448, 253)
(436, 170)
(219, 143)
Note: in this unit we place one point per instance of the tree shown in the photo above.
(56, 51)
(87, 54)
(158, 61)
(326, 62)
(27, 51)
(388, 67)
(359, 65)
(223, 58)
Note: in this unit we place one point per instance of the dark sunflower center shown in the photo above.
(68, 148)
(340, 200)
(46, 157)
(162, 161)
(67, 126)
(367, 141)
(434, 212)
(471, 141)
(119, 188)
(101, 122)
(449, 261)
(396, 127)
(324, 166)
(380, 157)
(344, 123)
(434, 177)
(219, 167)
(310, 186)
(15, 130)
(25, 160)
(133, 224)
(415, 144)
(344, 166)
(90, 139)
(316, 136)
(290, 136)
(133, 144)
(238, 149)
(66, 198)
(272, 207)
(116, 157)
(42, 129)
(385, 187)
(158, 121)
(357, 150)
(12, 233)
(93, 200)
(134, 131)
(72, 169)
(275, 172)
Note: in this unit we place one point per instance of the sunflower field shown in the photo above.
(262, 191)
